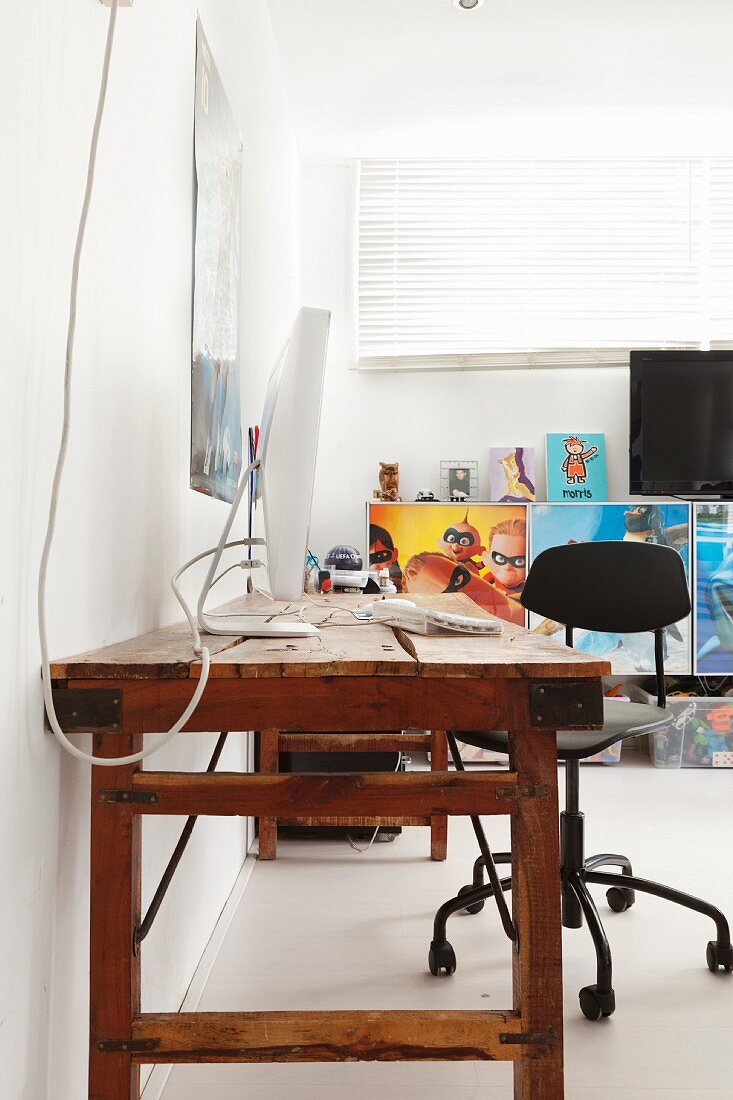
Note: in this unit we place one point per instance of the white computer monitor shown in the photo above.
(284, 478)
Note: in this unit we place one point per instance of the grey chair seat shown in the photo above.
(620, 720)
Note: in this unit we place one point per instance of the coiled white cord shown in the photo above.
(61, 459)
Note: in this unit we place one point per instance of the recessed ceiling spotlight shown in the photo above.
(468, 5)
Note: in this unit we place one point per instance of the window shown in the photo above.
(471, 264)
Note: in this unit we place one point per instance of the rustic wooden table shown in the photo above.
(350, 677)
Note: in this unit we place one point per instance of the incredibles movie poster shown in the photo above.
(665, 524)
(477, 549)
(714, 589)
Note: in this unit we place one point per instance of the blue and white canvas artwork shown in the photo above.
(714, 589)
(667, 524)
(216, 415)
(576, 466)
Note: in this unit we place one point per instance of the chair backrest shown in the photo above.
(615, 587)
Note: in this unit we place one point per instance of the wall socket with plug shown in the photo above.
(122, 4)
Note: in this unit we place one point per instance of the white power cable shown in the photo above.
(366, 848)
(61, 459)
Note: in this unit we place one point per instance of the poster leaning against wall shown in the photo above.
(474, 548)
(216, 416)
(714, 589)
(664, 524)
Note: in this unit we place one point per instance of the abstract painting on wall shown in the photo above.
(714, 589)
(665, 524)
(216, 416)
(477, 549)
(511, 474)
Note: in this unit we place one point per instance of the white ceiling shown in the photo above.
(542, 77)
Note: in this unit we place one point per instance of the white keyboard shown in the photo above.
(420, 620)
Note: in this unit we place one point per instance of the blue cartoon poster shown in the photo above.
(714, 589)
(216, 414)
(576, 466)
(666, 524)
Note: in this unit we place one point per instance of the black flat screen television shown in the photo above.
(681, 438)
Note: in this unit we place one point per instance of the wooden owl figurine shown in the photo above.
(389, 481)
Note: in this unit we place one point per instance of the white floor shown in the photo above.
(325, 927)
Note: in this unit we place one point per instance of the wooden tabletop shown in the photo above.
(344, 646)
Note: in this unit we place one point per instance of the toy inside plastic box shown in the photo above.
(700, 734)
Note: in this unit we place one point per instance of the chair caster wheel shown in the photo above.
(620, 898)
(594, 1003)
(477, 905)
(441, 957)
(719, 957)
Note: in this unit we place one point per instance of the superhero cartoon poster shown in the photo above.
(477, 549)
(714, 589)
(667, 524)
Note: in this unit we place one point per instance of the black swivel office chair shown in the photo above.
(613, 587)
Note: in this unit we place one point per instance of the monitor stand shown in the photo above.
(256, 626)
(276, 625)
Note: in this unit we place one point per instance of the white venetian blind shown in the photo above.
(720, 284)
(514, 262)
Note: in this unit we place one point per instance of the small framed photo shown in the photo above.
(458, 480)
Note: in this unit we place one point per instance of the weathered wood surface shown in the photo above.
(337, 704)
(409, 741)
(517, 653)
(357, 822)
(388, 1036)
(344, 647)
(165, 654)
(364, 649)
(387, 794)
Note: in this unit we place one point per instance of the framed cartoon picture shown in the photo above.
(477, 549)
(576, 466)
(713, 601)
(458, 480)
(511, 474)
(668, 524)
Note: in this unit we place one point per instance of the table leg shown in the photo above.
(114, 975)
(438, 824)
(537, 965)
(270, 763)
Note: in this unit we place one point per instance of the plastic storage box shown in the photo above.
(700, 734)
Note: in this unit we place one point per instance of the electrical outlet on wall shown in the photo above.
(122, 4)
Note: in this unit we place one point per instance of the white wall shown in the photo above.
(127, 517)
(419, 419)
(552, 78)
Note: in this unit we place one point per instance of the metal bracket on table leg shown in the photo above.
(544, 1039)
(126, 1046)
